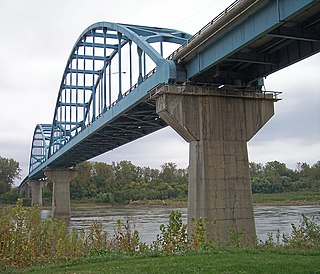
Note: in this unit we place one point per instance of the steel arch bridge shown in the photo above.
(103, 96)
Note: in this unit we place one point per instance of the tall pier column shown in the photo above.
(61, 179)
(36, 192)
(217, 124)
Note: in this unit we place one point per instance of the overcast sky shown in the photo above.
(37, 37)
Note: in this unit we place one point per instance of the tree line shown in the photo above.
(123, 182)
(275, 177)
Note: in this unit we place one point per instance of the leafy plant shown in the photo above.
(306, 235)
(235, 238)
(124, 239)
(198, 235)
(174, 236)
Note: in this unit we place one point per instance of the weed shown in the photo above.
(27, 240)
(306, 235)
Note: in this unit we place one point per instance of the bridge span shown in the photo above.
(118, 85)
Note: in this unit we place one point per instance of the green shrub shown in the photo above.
(26, 239)
(10, 197)
(174, 236)
(306, 235)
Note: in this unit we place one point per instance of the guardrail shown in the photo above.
(214, 90)
(214, 20)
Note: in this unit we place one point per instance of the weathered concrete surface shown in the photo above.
(26, 189)
(217, 124)
(36, 192)
(61, 179)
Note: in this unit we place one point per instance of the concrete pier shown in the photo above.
(36, 192)
(61, 179)
(217, 124)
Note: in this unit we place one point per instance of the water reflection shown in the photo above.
(147, 220)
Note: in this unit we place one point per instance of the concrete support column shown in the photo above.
(217, 124)
(26, 190)
(61, 179)
(36, 192)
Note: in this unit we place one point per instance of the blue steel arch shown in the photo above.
(87, 85)
(40, 145)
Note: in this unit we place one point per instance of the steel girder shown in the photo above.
(40, 145)
(251, 39)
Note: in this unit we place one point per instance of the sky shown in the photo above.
(37, 37)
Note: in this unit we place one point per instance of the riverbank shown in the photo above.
(287, 198)
(272, 199)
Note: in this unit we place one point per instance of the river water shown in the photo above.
(268, 219)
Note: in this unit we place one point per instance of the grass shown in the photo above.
(214, 261)
(302, 197)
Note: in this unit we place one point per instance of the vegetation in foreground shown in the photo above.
(26, 240)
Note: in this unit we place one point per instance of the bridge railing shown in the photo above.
(213, 21)
(215, 90)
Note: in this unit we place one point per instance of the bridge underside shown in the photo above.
(265, 39)
(137, 122)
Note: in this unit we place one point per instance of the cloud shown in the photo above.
(289, 151)
(153, 150)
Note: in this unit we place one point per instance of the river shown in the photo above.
(147, 221)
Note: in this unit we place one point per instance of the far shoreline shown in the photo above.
(184, 204)
(303, 198)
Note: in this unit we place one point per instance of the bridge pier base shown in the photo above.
(61, 179)
(36, 192)
(217, 124)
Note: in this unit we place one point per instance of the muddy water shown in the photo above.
(147, 220)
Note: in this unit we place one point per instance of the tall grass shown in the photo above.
(26, 239)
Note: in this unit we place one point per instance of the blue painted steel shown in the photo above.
(274, 14)
(84, 103)
(93, 102)
(40, 146)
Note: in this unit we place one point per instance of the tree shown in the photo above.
(315, 175)
(126, 172)
(168, 173)
(103, 177)
(81, 186)
(255, 169)
(9, 171)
